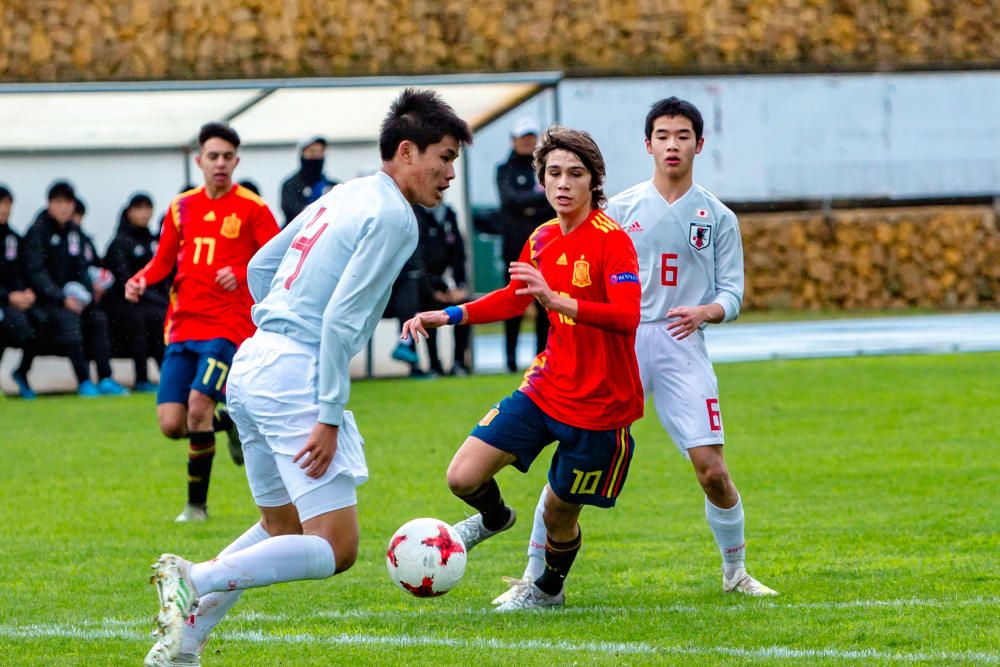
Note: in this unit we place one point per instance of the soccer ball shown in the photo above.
(426, 557)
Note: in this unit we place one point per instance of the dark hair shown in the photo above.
(580, 144)
(79, 207)
(251, 186)
(422, 117)
(5, 193)
(216, 130)
(61, 190)
(139, 199)
(674, 106)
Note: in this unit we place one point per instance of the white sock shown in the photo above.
(214, 606)
(536, 543)
(275, 560)
(727, 526)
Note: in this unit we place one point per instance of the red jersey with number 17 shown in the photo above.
(201, 235)
(587, 376)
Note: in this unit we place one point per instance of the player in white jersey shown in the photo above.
(691, 269)
(320, 287)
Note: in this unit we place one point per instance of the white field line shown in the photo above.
(115, 631)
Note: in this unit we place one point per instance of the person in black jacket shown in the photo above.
(309, 183)
(136, 328)
(58, 269)
(522, 207)
(17, 314)
(443, 251)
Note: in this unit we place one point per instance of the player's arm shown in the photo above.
(163, 261)
(357, 302)
(621, 279)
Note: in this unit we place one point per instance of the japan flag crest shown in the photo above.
(701, 236)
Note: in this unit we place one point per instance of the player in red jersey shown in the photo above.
(209, 235)
(583, 390)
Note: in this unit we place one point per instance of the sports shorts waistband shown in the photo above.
(274, 338)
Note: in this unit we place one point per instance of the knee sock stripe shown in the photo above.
(200, 453)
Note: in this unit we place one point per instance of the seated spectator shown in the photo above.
(17, 314)
(136, 328)
(443, 252)
(58, 270)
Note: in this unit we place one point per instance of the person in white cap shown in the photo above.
(522, 207)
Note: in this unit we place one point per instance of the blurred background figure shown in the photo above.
(522, 208)
(250, 185)
(309, 183)
(443, 251)
(136, 328)
(16, 298)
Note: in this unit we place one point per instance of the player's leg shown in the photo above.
(176, 375)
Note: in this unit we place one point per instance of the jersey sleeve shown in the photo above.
(729, 268)
(165, 259)
(383, 247)
(504, 303)
(621, 280)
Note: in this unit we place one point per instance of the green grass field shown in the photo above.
(870, 486)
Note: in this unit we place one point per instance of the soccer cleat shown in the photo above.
(158, 657)
(741, 582)
(192, 513)
(108, 387)
(527, 595)
(472, 531)
(514, 583)
(177, 598)
(404, 352)
(23, 388)
(232, 434)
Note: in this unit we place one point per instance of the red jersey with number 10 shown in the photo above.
(200, 236)
(587, 376)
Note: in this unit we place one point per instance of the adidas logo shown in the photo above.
(562, 260)
(634, 227)
(210, 217)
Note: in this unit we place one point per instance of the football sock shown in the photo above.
(536, 543)
(200, 455)
(489, 502)
(213, 607)
(559, 557)
(275, 560)
(727, 526)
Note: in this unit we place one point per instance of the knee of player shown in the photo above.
(463, 480)
(201, 409)
(714, 476)
(173, 428)
(345, 557)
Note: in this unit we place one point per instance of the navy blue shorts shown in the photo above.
(195, 364)
(588, 467)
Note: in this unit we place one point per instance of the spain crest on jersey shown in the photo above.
(231, 226)
(581, 273)
(701, 235)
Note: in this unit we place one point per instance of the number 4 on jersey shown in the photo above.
(304, 244)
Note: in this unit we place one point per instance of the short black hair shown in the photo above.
(79, 207)
(5, 193)
(61, 190)
(250, 185)
(217, 130)
(139, 199)
(674, 106)
(422, 117)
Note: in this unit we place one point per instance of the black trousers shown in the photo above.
(512, 329)
(137, 331)
(16, 328)
(80, 338)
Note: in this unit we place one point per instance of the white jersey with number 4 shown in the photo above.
(690, 254)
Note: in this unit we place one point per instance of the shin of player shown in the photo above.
(581, 269)
(320, 286)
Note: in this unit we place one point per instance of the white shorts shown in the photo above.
(682, 382)
(271, 395)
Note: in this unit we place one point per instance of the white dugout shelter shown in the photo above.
(112, 139)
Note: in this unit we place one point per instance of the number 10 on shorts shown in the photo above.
(714, 416)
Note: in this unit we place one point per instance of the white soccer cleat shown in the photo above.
(177, 598)
(157, 657)
(513, 583)
(192, 513)
(529, 596)
(472, 531)
(741, 582)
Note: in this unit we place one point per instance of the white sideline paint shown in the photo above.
(116, 631)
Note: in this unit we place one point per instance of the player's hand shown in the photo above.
(73, 304)
(458, 295)
(689, 319)
(534, 281)
(418, 325)
(226, 279)
(318, 451)
(134, 289)
(22, 299)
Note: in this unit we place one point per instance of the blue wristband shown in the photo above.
(454, 314)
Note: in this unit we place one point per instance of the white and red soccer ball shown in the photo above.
(426, 557)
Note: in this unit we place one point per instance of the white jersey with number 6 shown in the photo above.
(690, 254)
